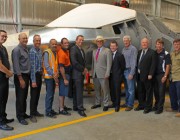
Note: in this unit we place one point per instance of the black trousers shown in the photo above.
(21, 96)
(4, 92)
(145, 93)
(115, 89)
(35, 94)
(78, 93)
(159, 92)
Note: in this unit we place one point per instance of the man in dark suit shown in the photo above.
(77, 56)
(146, 62)
(116, 75)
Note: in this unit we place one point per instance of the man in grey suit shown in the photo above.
(77, 56)
(101, 66)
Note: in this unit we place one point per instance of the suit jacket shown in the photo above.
(77, 61)
(102, 66)
(147, 65)
(118, 66)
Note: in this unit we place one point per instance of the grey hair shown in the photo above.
(128, 37)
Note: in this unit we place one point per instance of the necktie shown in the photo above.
(142, 56)
(113, 55)
(97, 54)
(82, 53)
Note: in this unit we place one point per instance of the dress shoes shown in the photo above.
(8, 120)
(123, 106)
(139, 108)
(39, 114)
(76, 109)
(33, 119)
(147, 111)
(116, 109)
(158, 111)
(105, 108)
(82, 113)
(23, 122)
(111, 106)
(6, 127)
(64, 112)
(95, 106)
(53, 112)
(50, 115)
(26, 116)
(128, 108)
(154, 108)
(67, 108)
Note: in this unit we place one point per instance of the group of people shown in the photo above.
(110, 67)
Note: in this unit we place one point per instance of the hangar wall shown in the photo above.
(161, 8)
(18, 15)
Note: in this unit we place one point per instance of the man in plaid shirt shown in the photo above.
(35, 56)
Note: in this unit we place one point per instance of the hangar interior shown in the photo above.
(22, 15)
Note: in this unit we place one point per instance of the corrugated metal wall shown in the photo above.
(163, 8)
(36, 13)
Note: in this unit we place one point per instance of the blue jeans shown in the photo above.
(174, 93)
(129, 88)
(50, 90)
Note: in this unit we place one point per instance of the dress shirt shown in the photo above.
(20, 59)
(130, 55)
(35, 56)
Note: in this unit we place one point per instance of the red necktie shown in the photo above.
(97, 54)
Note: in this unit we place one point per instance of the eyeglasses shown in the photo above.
(3, 36)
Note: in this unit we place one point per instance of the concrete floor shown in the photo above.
(115, 126)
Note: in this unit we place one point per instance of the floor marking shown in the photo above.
(56, 126)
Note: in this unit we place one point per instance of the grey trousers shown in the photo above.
(101, 84)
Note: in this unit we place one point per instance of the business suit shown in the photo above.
(78, 62)
(146, 66)
(101, 69)
(116, 76)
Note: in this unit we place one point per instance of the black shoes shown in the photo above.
(111, 106)
(53, 112)
(64, 112)
(116, 109)
(6, 127)
(158, 111)
(26, 116)
(95, 106)
(82, 113)
(51, 115)
(76, 109)
(67, 108)
(8, 120)
(123, 106)
(38, 114)
(147, 111)
(105, 108)
(154, 108)
(23, 122)
(139, 108)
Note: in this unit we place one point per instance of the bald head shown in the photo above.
(53, 45)
(144, 43)
(23, 39)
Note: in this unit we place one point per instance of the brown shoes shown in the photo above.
(178, 114)
(170, 110)
(128, 108)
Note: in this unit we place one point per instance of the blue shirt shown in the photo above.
(35, 56)
(130, 55)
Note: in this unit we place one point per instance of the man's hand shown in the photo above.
(55, 75)
(149, 77)
(10, 74)
(163, 79)
(85, 71)
(106, 77)
(34, 85)
(130, 77)
(66, 82)
(22, 83)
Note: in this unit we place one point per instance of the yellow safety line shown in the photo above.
(61, 125)
(56, 126)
